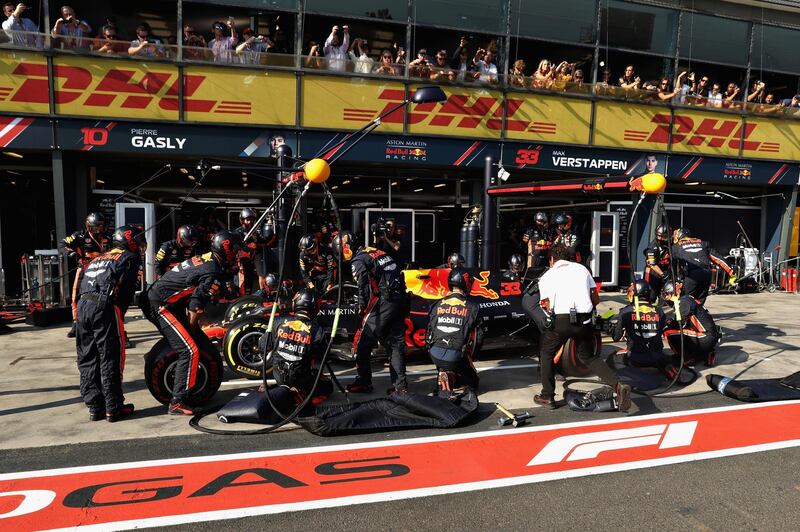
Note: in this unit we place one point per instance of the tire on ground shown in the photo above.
(569, 365)
(240, 346)
(159, 372)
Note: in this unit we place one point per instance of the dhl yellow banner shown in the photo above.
(468, 112)
(625, 125)
(350, 103)
(233, 95)
(770, 138)
(706, 133)
(547, 118)
(23, 83)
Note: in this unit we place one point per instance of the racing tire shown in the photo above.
(569, 365)
(243, 306)
(240, 347)
(159, 372)
(349, 293)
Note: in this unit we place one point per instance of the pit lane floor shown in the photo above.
(44, 426)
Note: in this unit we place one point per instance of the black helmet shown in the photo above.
(344, 245)
(541, 219)
(680, 233)
(267, 229)
(560, 219)
(455, 260)
(668, 290)
(305, 300)
(307, 245)
(271, 280)
(225, 246)
(641, 289)
(460, 278)
(96, 222)
(187, 236)
(129, 237)
(516, 263)
(662, 232)
(247, 214)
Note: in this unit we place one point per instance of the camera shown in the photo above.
(380, 228)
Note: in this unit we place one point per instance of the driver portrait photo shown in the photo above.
(650, 163)
(274, 142)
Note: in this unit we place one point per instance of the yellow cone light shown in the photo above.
(318, 171)
(654, 183)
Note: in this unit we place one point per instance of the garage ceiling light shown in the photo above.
(346, 182)
(184, 171)
(13, 172)
(418, 189)
(693, 183)
(191, 177)
(440, 185)
(13, 154)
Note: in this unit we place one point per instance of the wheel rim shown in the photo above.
(200, 381)
(249, 351)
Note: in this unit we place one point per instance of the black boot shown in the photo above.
(73, 330)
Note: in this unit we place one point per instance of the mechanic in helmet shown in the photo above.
(297, 347)
(563, 234)
(181, 248)
(317, 266)
(175, 302)
(516, 268)
(208, 225)
(642, 323)
(693, 258)
(454, 260)
(85, 244)
(247, 269)
(657, 268)
(454, 335)
(537, 241)
(383, 305)
(700, 333)
(106, 292)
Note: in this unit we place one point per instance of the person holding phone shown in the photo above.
(69, 31)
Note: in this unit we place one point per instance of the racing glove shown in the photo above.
(732, 280)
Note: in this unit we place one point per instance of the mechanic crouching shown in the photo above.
(383, 304)
(297, 348)
(174, 304)
(453, 334)
(569, 294)
(173, 252)
(694, 258)
(693, 330)
(317, 267)
(106, 291)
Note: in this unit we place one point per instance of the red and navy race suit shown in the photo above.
(106, 291)
(298, 344)
(384, 306)
(170, 254)
(694, 258)
(255, 259)
(700, 333)
(207, 229)
(453, 337)
(86, 246)
(643, 332)
(657, 256)
(190, 285)
(318, 268)
(539, 241)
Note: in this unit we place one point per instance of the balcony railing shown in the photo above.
(254, 54)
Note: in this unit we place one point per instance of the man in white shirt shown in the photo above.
(569, 292)
(335, 51)
(362, 62)
(487, 70)
(22, 31)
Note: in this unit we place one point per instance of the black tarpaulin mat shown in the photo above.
(647, 379)
(396, 412)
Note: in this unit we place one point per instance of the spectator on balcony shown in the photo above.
(440, 69)
(145, 45)
(516, 78)
(698, 93)
(336, 49)
(665, 91)
(107, 43)
(562, 75)
(629, 80)
(359, 54)
(280, 44)
(757, 94)
(314, 58)
(421, 66)
(714, 98)
(70, 31)
(385, 65)
(400, 58)
(544, 75)
(222, 46)
(730, 95)
(487, 70)
(21, 31)
(461, 63)
(250, 49)
(578, 83)
(194, 44)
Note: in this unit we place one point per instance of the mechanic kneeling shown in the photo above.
(569, 293)
(642, 323)
(297, 348)
(174, 304)
(700, 334)
(106, 291)
(454, 334)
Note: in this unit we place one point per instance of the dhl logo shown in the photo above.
(465, 111)
(710, 132)
(117, 88)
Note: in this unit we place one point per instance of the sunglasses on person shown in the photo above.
(441, 57)
(386, 56)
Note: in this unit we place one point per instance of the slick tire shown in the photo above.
(240, 347)
(243, 306)
(570, 366)
(159, 372)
